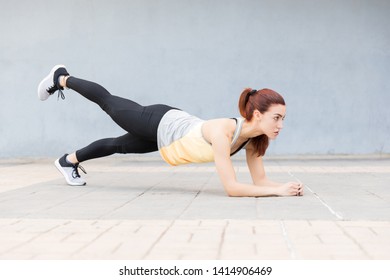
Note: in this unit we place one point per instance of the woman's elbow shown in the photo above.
(233, 194)
(232, 191)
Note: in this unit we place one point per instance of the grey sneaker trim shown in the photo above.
(70, 173)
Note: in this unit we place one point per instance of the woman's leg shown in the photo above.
(140, 121)
(108, 146)
(68, 164)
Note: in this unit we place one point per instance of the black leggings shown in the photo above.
(141, 122)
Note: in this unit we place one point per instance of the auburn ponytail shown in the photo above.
(251, 100)
(242, 103)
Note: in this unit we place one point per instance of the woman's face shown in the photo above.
(271, 122)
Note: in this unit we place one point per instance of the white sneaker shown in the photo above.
(50, 85)
(70, 171)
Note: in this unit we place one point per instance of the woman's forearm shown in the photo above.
(267, 182)
(247, 190)
(287, 189)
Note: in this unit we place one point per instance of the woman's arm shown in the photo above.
(256, 168)
(219, 135)
(223, 163)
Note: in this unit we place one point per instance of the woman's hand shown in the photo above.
(291, 189)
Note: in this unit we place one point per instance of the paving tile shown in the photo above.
(144, 209)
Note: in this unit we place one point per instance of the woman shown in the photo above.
(180, 137)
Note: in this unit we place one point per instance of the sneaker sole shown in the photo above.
(59, 167)
(46, 83)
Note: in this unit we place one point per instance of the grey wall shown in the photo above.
(329, 59)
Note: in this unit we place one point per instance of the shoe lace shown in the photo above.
(75, 172)
(60, 93)
(51, 90)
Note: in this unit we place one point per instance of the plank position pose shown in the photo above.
(180, 137)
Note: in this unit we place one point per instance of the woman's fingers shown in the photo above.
(293, 189)
(300, 190)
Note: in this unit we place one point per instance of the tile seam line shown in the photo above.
(173, 222)
(353, 240)
(147, 253)
(326, 205)
(129, 201)
(222, 241)
(194, 198)
(31, 239)
(79, 250)
(287, 240)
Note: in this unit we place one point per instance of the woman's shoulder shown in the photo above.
(221, 126)
(222, 122)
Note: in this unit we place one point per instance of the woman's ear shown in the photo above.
(257, 115)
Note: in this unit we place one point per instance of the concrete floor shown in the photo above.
(141, 208)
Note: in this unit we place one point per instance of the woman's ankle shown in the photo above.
(71, 158)
(62, 80)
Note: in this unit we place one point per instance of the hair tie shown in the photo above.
(252, 92)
